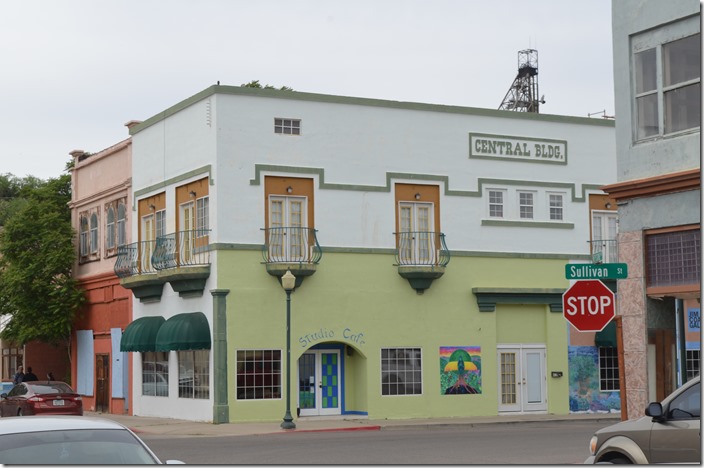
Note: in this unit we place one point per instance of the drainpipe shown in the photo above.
(680, 339)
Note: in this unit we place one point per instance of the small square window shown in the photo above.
(556, 207)
(287, 126)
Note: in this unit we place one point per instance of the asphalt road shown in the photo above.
(562, 442)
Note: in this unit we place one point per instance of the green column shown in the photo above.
(221, 410)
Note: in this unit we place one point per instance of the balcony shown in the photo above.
(136, 272)
(291, 248)
(604, 250)
(421, 257)
(181, 259)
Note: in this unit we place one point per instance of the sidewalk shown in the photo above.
(180, 427)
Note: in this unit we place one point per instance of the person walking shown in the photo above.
(19, 376)
(29, 376)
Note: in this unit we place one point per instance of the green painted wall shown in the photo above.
(360, 300)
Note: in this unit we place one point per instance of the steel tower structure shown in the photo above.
(522, 96)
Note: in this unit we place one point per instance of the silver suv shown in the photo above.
(669, 433)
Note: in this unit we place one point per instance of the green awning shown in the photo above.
(184, 331)
(606, 337)
(140, 335)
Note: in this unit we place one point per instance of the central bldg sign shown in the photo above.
(482, 145)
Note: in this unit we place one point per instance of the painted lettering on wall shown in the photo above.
(695, 321)
(324, 334)
(482, 145)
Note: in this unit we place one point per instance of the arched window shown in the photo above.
(110, 237)
(121, 227)
(93, 233)
(83, 242)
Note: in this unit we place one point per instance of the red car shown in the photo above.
(46, 398)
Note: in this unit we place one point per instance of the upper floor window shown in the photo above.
(160, 223)
(202, 216)
(556, 202)
(525, 204)
(84, 241)
(496, 203)
(94, 233)
(110, 229)
(121, 225)
(673, 258)
(287, 126)
(667, 86)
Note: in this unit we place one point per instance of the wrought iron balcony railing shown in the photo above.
(604, 250)
(421, 248)
(135, 259)
(182, 248)
(291, 245)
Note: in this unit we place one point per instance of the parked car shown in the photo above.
(669, 433)
(41, 397)
(6, 386)
(64, 440)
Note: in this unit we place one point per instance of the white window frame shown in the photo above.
(194, 374)
(255, 359)
(608, 361)
(415, 372)
(110, 228)
(650, 88)
(121, 224)
(202, 216)
(560, 208)
(84, 242)
(94, 226)
(287, 126)
(492, 203)
(528, 206)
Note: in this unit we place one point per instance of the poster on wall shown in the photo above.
(460, 370)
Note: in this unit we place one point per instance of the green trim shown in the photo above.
(526, 224)
(207, 169)
(487, 298)
(380, 251)
(607, 336)
(221, 409)
(444, 180)
(314, 97)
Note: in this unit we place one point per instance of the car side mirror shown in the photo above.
(654, 410)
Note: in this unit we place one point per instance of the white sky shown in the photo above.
(73, 72)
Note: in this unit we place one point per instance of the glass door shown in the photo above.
(522, 378)
(319, 383)
(416, 236)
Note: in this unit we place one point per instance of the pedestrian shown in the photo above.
(50, 376)
(29, 376)
(19, 376)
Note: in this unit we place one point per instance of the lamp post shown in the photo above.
(288, 282)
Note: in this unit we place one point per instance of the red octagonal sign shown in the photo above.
(588, 305)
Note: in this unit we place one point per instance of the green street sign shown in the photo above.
(583, 271)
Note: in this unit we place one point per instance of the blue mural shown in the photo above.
(585, 395)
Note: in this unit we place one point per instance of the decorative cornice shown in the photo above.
(652, 186)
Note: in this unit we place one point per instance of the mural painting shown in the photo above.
(460, 370)
(585, 394)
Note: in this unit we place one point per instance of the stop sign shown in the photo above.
(588, 305)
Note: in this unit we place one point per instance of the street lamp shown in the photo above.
(288, 282)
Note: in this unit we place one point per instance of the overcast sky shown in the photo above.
(73, 72)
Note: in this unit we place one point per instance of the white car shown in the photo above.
(70, 440)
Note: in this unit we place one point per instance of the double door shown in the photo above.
(522, 378)
(319, 383)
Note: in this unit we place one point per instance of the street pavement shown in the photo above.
(180, 427)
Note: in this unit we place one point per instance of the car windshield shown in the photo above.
(74, 447)
(45, 388)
